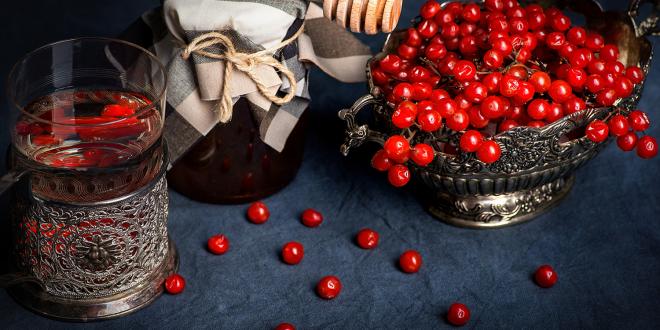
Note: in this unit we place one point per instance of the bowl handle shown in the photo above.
(11, 279)
(356, 135)
(646, 26)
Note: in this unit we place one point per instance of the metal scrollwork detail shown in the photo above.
(522, 149)
(356, 134)
(355, 137)
(99, 253)
(500, 210)
(484, 213)
(525, 148)
(84, 252)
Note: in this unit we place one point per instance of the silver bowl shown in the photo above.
(537, 165)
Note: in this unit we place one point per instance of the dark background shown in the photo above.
(603, 240)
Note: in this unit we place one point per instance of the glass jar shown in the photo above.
(232, 165)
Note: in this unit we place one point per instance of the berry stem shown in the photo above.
(429, 64)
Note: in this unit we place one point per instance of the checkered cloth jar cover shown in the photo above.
(195, 85)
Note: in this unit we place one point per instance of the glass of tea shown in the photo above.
(88, 102)
(86, 105)
(90, 217)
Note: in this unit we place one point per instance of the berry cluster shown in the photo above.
(468, 71)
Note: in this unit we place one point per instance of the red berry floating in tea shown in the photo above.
(86, 129)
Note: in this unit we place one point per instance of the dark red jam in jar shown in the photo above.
(232, 165)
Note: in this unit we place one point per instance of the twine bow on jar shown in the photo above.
(244, 62)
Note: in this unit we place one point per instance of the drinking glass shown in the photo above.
(90, 214)
(86, 105)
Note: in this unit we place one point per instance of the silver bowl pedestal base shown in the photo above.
(493, 211)
(32, 297)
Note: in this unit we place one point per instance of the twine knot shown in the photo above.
(244, 62)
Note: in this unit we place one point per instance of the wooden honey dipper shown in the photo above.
(367, 16)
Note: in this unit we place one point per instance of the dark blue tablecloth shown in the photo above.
(603, 240)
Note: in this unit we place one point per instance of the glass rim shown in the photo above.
(138, 111)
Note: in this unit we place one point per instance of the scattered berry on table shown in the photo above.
(545, 276)
(458, 314)
(311, 218)
(285, 326)
(174, 284)
(367, 238)
(293, 253)
(410, 261)
(258, 213)
(328, 287)
(218, 244)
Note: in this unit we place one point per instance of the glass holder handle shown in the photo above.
(11, 279)
(9, 179)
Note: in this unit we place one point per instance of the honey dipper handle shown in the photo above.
(365, 16)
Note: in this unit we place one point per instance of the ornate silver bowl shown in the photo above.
(537, 165)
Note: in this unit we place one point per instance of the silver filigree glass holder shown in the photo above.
(90, 261)
(537, 165)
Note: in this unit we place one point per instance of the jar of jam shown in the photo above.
(232, 165)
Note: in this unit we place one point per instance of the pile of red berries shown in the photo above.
(480, 69)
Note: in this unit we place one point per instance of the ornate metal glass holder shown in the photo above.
(537, 165)
(82, 261)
